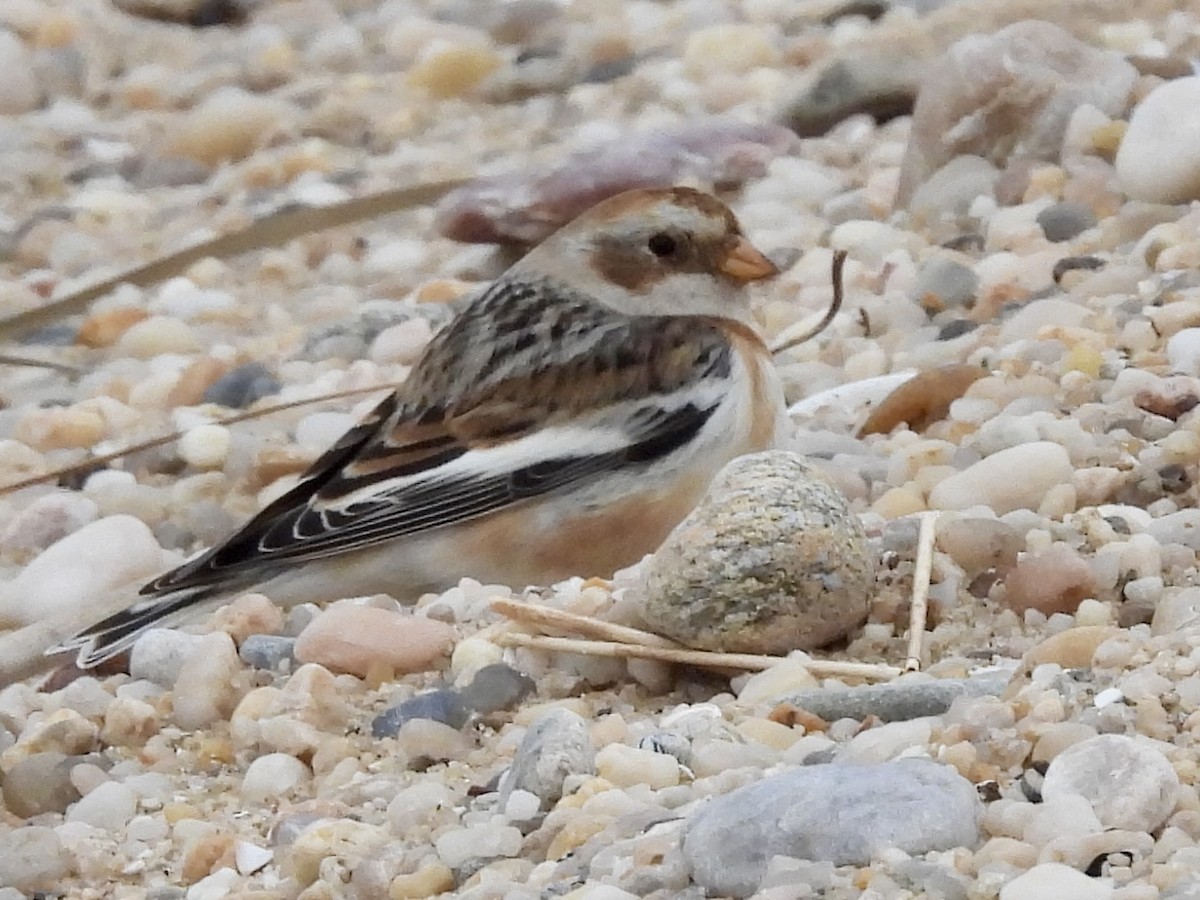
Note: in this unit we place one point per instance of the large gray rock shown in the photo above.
(771, 560)
(843, 814)
(556, 746)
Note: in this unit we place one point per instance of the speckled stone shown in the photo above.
(771, 560)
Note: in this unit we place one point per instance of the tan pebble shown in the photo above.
(60, 428)
(248, 614)
(898, 502)
(324, 840)
(205, 690)
(784, 677)
(207, 853)
(573, 836)
(129, 722)
(775, 735)
(443, 290)
(103, 328)
(57, 30)
(273, 463)
(626, 766)
(1071, 649)
(350, 638)
(195, 380)
(1178, 609)
(157, 335)
(64, 731)
(1006, 850)
(229, 125)
(451, 70)
(427, 881)
(1051, 582)
(1097, 484)
(793, 716)
(733, 48)
(177, 812)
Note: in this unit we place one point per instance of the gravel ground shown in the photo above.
(1020, 215)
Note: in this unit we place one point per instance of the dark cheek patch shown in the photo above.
(627, 267)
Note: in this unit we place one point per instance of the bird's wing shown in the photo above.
(528, 392)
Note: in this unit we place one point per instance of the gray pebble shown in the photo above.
(242, 386)
(898, 701)
(843, 814)
(497, 687)
(38, 784)
(158, 655)
(946, 283)
(267, 651)
(443, 706)
(556, 746)
(1065, 220)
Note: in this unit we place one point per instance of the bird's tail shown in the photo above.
(118, 632)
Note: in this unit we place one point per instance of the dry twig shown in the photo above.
(622, 641)
(105, 458)
(922, 574)
(269, 231)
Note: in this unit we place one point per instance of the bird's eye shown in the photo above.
(661, 244)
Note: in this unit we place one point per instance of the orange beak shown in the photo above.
(746, 263)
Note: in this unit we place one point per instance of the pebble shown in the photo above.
(1034, 71)
(1017, 477)
(156, 336)
(525, 207)
(450, 70)
(46, 520)
(206, 688)
(109, 807)
(272, 777)
(843, 814)
(158, 655)
(81, 569)
(556, 746)
(228, 125)
(771, 560)
(267, 651)
(945, 283)
(439, 706)
(625, 766)
(457, 848)
(1052, 879)
(1128, 783)
(33, 859)
(1054, 581)
(729, 48)
(897, 701)
(20, 93)
(242, 386)
(496, 687)
(1064, 221)
(1158, 160)
(1183, 351)
(205, 446)
(39, 783)
(351, 638)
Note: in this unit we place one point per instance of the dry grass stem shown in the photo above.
(919, 608)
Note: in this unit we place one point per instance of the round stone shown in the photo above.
(1128, 783)
(772, 560)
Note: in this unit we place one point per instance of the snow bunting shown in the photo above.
(562, 424)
